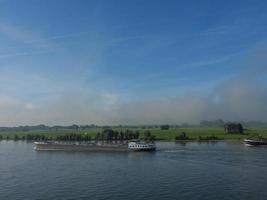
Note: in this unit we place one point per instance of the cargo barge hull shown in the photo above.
(40, 146)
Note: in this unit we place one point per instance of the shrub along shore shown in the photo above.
(127, 133)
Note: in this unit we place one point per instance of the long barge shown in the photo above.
(134, 145)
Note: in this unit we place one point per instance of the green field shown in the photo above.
(192, 133)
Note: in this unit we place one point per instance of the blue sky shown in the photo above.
(114, 55)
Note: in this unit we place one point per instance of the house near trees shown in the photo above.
(233, 128)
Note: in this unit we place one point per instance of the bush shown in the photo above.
(164, 127)
(182, 136)
(16, 137)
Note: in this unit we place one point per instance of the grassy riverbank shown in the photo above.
(168, 135)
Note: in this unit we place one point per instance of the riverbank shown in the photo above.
(192, 134)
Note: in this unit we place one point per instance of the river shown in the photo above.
(223, 170)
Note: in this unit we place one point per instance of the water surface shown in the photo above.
(222, 170)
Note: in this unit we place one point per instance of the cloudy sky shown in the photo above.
(132, 62)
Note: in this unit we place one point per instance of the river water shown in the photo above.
(223, 170)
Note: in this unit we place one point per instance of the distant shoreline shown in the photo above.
(189, 134)
(125, 141)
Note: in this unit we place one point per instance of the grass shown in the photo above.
(192, 133)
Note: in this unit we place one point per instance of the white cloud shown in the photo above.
(109, 98)
(15, 33)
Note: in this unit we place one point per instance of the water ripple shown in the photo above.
(177, 171)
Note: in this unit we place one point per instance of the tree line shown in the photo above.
(105, 135)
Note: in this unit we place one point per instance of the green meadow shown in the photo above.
(193, 133)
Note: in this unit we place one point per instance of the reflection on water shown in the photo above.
(222, 170)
